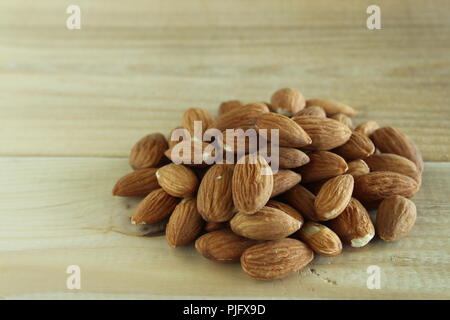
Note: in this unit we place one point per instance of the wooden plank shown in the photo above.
(57, 212)
(133, 69)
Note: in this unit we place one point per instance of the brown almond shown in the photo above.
(358, 168)
(137, 183)
(266, 224)
(322, 165)
(393, 162)
(214, 226)
(276, 259)
(284, 180)
(395, 218)
(243, 117)
(367, 128)
(379, 185)
(193, 115)
(357, 147)
(289, 158)
(227, 106)
(321, 239)
(154, 207)
(343, 119)
(313, 111)
(215, 198)
(391, 140)
(302, 200)
(326, 134)
(286, 209)
(331, 107)
(290, 134)
(334, 197)
(252, 184)
(354, 225)
(148, 151)
(185, 223)
(287, 101)
(177, 180)
(223, 245)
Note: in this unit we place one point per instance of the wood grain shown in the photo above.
(132, 69)
(57, 212)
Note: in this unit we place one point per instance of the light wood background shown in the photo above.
(72, 103)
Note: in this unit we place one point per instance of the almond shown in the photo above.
(266, 224)
(395, 218)
(357, 168)
(137, 183)
(242, 117)
(286, 209)
(284, 180)
(393, 162)
(223, 245)
(322, 165)
(191, 153)
(354, 225)
(230, 105)
(215, 198)
(391, 140)
(326, 134)
(184, 224)
(334, 197)
(302, 200)
(321, 239)
(192, 115)
(287, 101)
(252, 184)
(239, 140)
(290, 134)
(313, 111)
(276, 259)
(214, 226)
(357, 147)
(332, 107)
(367, 128)
(379, 185)
(154, 207)
(148, 151)
(289, 158)
(343, 119)
(177, 180)
(173, 139)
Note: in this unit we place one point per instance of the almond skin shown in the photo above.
(379, 185)
(185, 223)
(148, 151)
(334, 197)
(286, 209)
(290, 134)
(322, 165)
(321, 239)
(357, 147)
(326, 134)
(154, 207)
(395, 218)
(290, 158)
(227, 106)
(215, 198)
(343, 119)
(391, 140)
(266, 224)
(287, 101)
(358, 168)
(241, 117)
(302, 200)
(284, 180)
(313, 111)
(354, 225)
(137, 183)
(331, 107)
(367, 128)
(251, 188)
(196, 114)
(276, 259)
(177, 180)
(223, 245)
(393, 162)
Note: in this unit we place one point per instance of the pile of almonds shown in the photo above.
(330, 175)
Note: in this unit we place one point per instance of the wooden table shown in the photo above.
(73, 102)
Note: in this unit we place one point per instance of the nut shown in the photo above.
(184, 224)
(137, 183)
(321, 239)
(287, 101)
(331, 107)
(177, 180)
(148, 151)
(154, 208)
